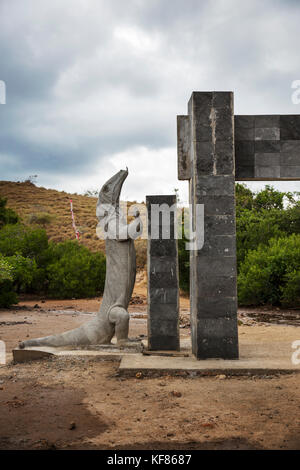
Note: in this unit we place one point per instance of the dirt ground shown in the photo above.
(82, 403)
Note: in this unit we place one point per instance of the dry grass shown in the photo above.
(27, 199)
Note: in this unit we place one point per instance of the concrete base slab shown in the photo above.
(185, 349)
(255, 359)
(106, 352)
(27, 355)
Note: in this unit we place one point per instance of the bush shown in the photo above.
(8, 296)
(16, 275)
(74, 271)
(27, 241)
(270, 274)
(254, 228)
(6, 270)
(63, 270)
(259, 218)
(25, 272)
(291, 290)
(7, 216)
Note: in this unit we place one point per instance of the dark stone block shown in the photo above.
(213, 274)
(266, 133)
(184, 147)
(267, 146)
(203, 116)
(218, 348)
(244, 172)
(220, 185)
(242, 133)
(224, 245)
(209, 268)
(267, 159)
(205, 162)
(204, 149)
(289, 159)
(267, 172)
(165, 264)
(218, 327)
(222, 99)
(290, 127)
(160, 248)
(244, 156)
(160, 326)
(163, 289)
(159, 309)
(224, 126)
(162, 295)
(202, 133)
(165, 279)
(218, 205)
(224, 157)
(244, 160)
(168, 199)
(211, 307)
(205, 167)
(218, 287)
(292, 172)
(220, 225)
(290, 146)
(244, 147)
(163, 343)
(201, 99)
(244, 122)
(267, 121)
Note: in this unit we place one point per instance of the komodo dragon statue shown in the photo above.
(113, 317)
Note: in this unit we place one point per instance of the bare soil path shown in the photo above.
(84, 404)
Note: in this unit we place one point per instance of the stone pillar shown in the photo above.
(162, 265)
(208, 163)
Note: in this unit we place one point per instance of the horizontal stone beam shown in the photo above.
(267, 147)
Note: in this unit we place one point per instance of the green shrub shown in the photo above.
(6, 270)
(244, 197)
(269, 198)
(291, 290)
(7, 216)
(27, 241)
(25, 272)
(254, 228)
(74, 271)
(270, 273)
(8, 296)
(16, 275)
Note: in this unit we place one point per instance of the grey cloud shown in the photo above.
(88, 80)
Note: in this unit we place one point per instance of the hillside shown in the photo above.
(32, 202)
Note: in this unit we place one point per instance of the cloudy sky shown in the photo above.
(95, 85)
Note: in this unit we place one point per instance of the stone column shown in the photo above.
(162, 265)
(209, 166)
